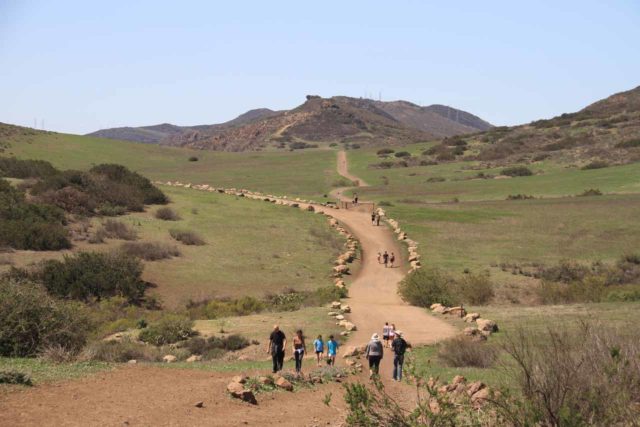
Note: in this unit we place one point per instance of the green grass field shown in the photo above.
(252, 248)
(305, 173)
(42, 371)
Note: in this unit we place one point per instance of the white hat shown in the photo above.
(398, 333)
(375, 336)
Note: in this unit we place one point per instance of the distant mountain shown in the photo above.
(336, 119)
(607, 131)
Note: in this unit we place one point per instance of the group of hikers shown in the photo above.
(374, 350)
(375, 218)
(278, 343)
(387, 259)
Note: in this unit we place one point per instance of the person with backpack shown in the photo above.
(385, 258)
(399, 347)
(374, 353)
(373, 218)
(299, 349)
(318, 346)
(385, 334)
(332, 351)
(277, 344)
(392, 259)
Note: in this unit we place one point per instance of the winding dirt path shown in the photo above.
(139, 395)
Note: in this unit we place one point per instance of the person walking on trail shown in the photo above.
(332, 351)
(385, 258)
(399, 347)
(378, 220)
(385, 334)
(379, 258)
(374, 353)
(318, 346)
(392, 332)
(392, 259)
(373, 218)
(277, 344)
(299, 349)
(355, 199)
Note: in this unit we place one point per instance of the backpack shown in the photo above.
(399, 346)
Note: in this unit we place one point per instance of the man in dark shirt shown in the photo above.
(399, 347)
(277, 344)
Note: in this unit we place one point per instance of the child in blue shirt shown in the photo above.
(332, 350)
(318, 346)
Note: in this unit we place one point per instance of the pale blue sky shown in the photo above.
(83, 65)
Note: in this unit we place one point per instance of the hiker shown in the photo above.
(373, 353)
(385, 258)
(373, 218)
(392, 259)
(399, 347)
(332, 351)
(385, 334)
(277, 344)
(392, 332)
(378, 220)
(379, 258)
(318, 346)
(355, 199)
(299, 348)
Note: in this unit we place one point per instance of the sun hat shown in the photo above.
(375, 337)
(399, 333)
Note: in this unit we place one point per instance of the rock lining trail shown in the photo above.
(148, 395)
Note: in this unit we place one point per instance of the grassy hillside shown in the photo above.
(303, 173)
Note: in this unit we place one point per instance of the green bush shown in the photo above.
(517, 171)
(474, 289)
(596, 164)
(193, 159)
(167, 214)
(590, 192)
(14, 377)
(168, 330)
(384, 151)
(91, 276)
(151, 195)
(122, 351)
(31, 320)
(207, 347)
(14, 168)
(425, 287)
(402, 154)
(30, 226)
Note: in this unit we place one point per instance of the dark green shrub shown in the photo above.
(474, 289)
(122, 351)
(168, 330)
(436, 179)
(402, 154)
(193, 159)
(151, 195)
(149, 251)
(14, 168)
(446, 156)
(14, 377)
(384, 151)
(425, 287)
(383, 165)
(187, 237)
(385, 203)
(91, 276)
(31, 320)
(167, 214)
(590, 192)
(517, 171)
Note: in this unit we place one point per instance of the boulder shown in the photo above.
(351, 352)
(199, 404)
(350, 327)
(439, 309)
(132, 362)
(336, 305)
(471, 317)
(346, 308)
(481, 396)
(339, 317)
(341, 269)
(282, 383)
(310, 208)
(350, 362)
(240, 379)
(169, 358)
(487, 325)
(458, 379)
(333, 313)
(194, 358)
(238, 391)
(457, 311)
(474, 387)
(265, 380)
(344, 334)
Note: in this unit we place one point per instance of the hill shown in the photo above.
(605, 132)
(337, 119)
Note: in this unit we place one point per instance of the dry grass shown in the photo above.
(150, 251)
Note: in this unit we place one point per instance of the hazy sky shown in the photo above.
(85, 65)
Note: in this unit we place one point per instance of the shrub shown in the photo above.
(168, 330)
(403, 154)
(14, 168)
(428, 163)
(385, 203)
(207, 347)
(167, 214)
(149, 251)
(91, 276)
(31, 320)
(384, 151)
(193, 159)
(445, 156)
(462, 352)
(122, 351)
(425, 287)
(436, 179)
(151, 195)
(187, 237)
(590, 192)
(541, 157)
(589, 289)
(570, 375)
(118, 230)
(14, 377)
(475, 289)
(517, 171)
(632, 143)
(596, 164)
(519, 197)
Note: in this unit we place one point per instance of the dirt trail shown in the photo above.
(153, 396)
